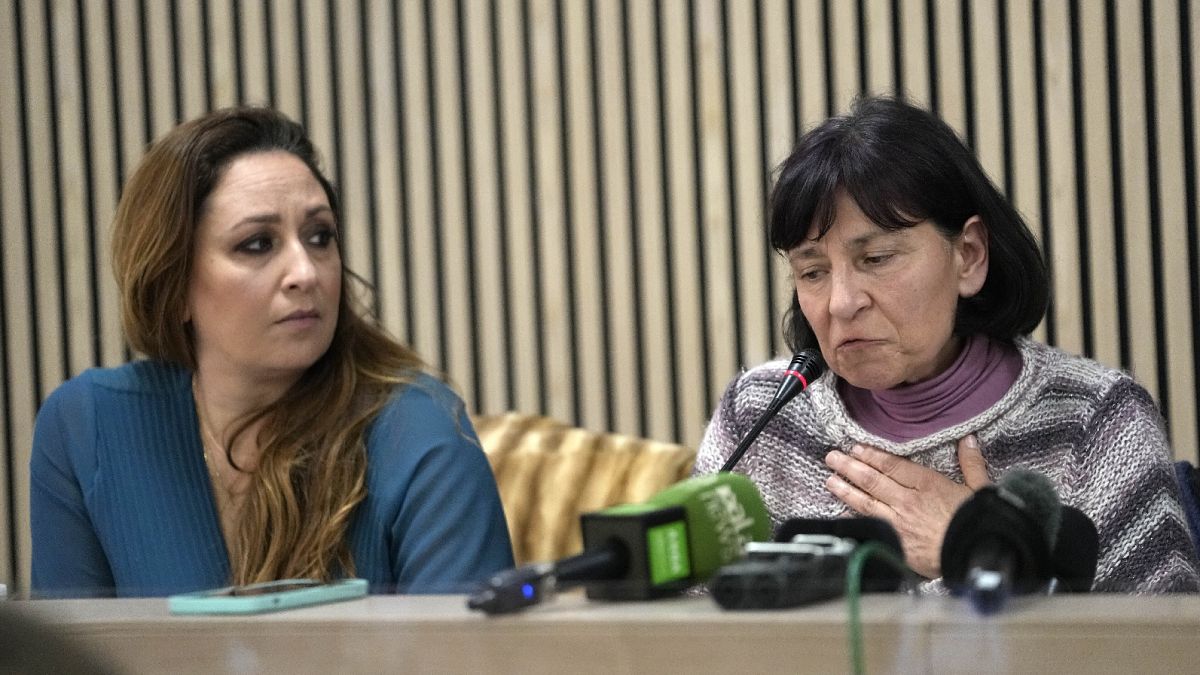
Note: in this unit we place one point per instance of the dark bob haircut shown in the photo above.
(902, 166)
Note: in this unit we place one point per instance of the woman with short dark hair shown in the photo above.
(274, 431)
(920, 284)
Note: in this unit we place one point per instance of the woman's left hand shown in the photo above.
(917, 501)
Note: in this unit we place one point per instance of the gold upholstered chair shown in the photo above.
(549, 473)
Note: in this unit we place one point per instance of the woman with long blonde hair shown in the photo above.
(273, 431)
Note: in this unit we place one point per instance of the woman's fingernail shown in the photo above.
(972, 442)
(857, 450)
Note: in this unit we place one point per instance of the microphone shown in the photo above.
(1076, 552)
(681, 536)
(806, 366)
(806, 564)
(999, 542)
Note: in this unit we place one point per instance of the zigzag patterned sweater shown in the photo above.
(1093, 431)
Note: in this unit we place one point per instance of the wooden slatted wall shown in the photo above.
(561, 202)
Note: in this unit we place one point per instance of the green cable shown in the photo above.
(854, 570)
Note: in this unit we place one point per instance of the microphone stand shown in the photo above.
(806, 366)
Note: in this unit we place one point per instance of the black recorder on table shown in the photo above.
(806, 564)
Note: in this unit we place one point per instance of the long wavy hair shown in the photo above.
(312, 469)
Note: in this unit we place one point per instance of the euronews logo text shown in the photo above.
(729, 518)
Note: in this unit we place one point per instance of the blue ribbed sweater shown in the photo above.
(121, 502)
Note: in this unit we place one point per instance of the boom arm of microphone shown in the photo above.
(806, 366)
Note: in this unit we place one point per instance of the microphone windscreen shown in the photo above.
(1076, 551)
(994, 522)
(724, 512)
(680, 536)
(1037, 497)
(878, 575)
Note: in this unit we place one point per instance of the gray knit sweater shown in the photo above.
(1092, 430)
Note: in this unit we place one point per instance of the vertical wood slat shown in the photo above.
(1026, 189)
(684, 246)
(384, 156)
(985, 81)
(951, 80)
(193, 87)
(878, 66)
(43, 231)
(549, 175)
(285, 61)
(72, 192)
(618, 226)
(655, 312)
(426, 334)
(590, 377)
(779, 84)
(811, 46)
(255, 60)
(12, 396)
(221, 48)
(560, 203)
(1132, 136)
(1190, 26)
(518, 249)
(452, 224)
(1104, 298)
(914, 51)
(1061, 163)
(752, 269)
(103, 144)
(1178, 319)
(160, 57)
(715, 233)
(350, 117)
(492, 338)
(842, 42)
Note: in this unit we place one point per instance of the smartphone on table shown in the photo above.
(268, 596)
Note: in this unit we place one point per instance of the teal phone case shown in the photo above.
(266, 597)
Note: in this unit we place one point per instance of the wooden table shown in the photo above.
(437, 634)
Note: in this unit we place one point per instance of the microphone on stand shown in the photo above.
(681, 536)
(806, 366)
(1015, 538)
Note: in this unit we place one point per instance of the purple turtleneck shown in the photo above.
(980, 376)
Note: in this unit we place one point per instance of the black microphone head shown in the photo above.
(1076, 551)
(809, 364)
(878, 575)
(805, 367)
(992, 523)
(1036, 494)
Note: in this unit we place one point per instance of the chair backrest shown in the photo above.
(549, 473)
(1189, 488)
